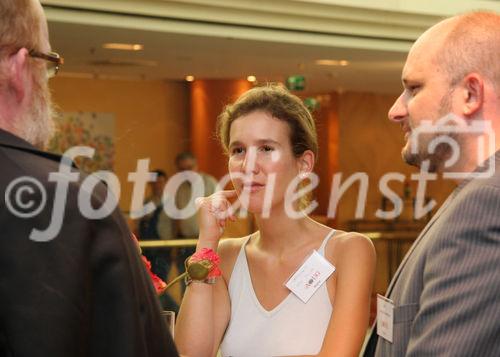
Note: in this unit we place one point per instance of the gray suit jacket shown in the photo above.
(446, 291)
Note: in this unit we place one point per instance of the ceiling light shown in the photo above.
(251, 78)
(117, 62)
(328, 62)
(189, 78)
(123, 46)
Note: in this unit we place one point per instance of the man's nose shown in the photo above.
(398, 111)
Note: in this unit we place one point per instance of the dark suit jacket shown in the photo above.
(84, 293)
(446, 291)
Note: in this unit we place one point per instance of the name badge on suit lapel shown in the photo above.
(385, 317)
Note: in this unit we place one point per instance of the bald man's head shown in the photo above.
(471, 44)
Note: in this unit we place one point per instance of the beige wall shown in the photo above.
(151, 119)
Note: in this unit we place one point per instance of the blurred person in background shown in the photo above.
(188, 227)
(157, 225)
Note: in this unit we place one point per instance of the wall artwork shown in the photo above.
(96, 130)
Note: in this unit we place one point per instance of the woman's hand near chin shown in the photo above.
(214, 211)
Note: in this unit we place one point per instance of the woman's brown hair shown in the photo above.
(280, 104)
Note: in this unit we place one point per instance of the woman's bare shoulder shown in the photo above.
(228, 251)
(351, 238)
(231, 246)
(353, 246)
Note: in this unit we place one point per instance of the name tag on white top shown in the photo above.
(310, 276)
(385, 317)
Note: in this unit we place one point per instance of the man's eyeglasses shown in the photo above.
(54, 61)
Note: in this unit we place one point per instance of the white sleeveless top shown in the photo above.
(291, 328)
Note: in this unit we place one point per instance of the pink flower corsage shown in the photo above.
(206, 261)
(203, 266)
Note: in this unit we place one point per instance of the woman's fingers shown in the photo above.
(227, 193)
(215, 211)
(220, 205)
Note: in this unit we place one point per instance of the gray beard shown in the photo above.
(36, 125)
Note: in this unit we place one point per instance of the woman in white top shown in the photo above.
(270, 138)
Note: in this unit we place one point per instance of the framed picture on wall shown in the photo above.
(96, 130)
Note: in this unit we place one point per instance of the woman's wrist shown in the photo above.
(207, 243)
(202, 267)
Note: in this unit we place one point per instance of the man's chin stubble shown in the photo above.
(417, 159)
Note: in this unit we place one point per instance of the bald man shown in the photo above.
(84, 291)
(444, 299)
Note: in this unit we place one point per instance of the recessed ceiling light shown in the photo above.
(123, 46)
(116, 62)
(189, 78)
(329, 62)
(251, 78)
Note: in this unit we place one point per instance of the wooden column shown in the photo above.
(327, 164)
(208, 98)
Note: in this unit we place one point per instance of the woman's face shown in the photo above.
(260, 153)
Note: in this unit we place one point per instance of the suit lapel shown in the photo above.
(481, 168)
(372, 341)
(417, 241)
(371, 345)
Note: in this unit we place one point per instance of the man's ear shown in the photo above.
(473, 94)
(18, 64)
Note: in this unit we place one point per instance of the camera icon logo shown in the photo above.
(446, 131)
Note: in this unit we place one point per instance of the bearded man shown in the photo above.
(85, 291)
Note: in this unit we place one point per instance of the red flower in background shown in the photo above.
(159, 284)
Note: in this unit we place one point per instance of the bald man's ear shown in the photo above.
(473, 92)
(18, 63)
